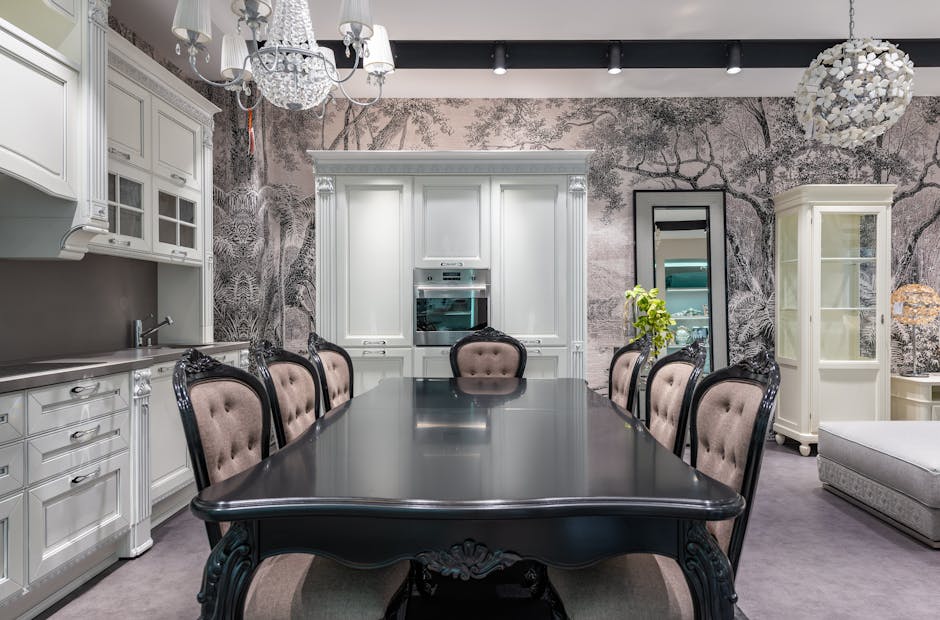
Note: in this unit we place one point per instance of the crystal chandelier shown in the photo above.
(855, 91)
(282, 61)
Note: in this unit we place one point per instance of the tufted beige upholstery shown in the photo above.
(487, 359)
(336, 373)
(621, 376)
(296, 397)
(487, 386)
(724, 423)
(228, 414)
(665, 399)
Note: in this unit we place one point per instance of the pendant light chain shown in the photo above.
(851, 19)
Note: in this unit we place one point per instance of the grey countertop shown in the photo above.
(26, 374)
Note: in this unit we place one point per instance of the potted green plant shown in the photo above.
(647, 313)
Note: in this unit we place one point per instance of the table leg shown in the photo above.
(228, 573)
(707, 571)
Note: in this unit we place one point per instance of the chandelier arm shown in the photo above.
(363, 104)
(234, 82)
(238, 99)
(355, 67)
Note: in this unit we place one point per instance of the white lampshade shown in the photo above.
(263, 7)
(234, 54)
(355, 19)
(330, 59)
(191, 21)
(379, 59)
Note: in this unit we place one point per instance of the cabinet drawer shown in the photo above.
(60, 451)
(12, 468)
(59, 405)
(12, 416)
(12, 545)
(75, 512)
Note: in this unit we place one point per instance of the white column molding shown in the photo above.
(94, 84)
(138, 539)
(325, 215)
(577, 276)
(208, 211)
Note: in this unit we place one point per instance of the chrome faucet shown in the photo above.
(139, 334)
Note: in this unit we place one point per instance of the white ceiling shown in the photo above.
(587, 19)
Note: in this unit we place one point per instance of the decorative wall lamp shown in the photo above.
(289, 69)
(915, 305)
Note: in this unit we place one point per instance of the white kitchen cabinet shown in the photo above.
(833, 266)
(372, 365)
(76, 511)
(73, 446)
(129, 123)
(12, 545)
(177, 146)
(46, 105)
(374, 293)
(129, 221)
(170, 466)
(530, 265)
(12, 468)
(177, 218)
(432, 362)
(12, 416)
(452, 222)
(546, 362)
(55, 406)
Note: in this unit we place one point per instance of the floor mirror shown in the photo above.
(680, 249)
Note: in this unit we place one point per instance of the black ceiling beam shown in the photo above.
(649, 54)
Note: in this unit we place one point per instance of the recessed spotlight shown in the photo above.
(613, 58)
(734, 58)
(499, 59)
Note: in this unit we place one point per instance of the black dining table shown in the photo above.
(468, 477)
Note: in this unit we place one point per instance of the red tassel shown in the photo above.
(251, 134)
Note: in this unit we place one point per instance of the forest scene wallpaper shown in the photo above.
(750, 148)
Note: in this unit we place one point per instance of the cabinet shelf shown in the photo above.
(680, 289)
(691, 318)
(848, 259)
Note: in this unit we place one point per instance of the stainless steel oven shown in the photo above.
(449, 304)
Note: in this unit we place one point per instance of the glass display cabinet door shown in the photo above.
(127, 220)
(788, 270)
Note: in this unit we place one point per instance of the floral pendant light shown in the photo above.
(855, 91)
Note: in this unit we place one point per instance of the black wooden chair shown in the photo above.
(226, 419)
(669, 390)
(731, 409)
(624, 376)
(293, 386)
(335, 368)
(488, 353)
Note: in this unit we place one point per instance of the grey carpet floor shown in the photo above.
(808, 554)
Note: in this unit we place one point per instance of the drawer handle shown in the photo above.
(78, 390)
(178, 178)
(532, 341)
(77, 435)
(534, 351)
(163, 369)
(377, 352)
(455, 263)
(122, 154)
(115, 241)
(84, 477)
(373, 343)
(4, 470)
(179, 252)
(3, 418)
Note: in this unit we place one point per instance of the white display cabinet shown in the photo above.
(833, 261)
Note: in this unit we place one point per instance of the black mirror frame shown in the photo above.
(267, 353)
(488, 334)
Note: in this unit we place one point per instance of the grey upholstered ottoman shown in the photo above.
(891, 469)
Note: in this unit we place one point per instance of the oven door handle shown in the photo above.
(450, 292)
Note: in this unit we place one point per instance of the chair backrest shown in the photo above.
(731, 410)
(226, 421)
(624, 375)
(488, 353)
(335, 368)
(669, 390)
(293, 386)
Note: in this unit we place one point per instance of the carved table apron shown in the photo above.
(467, 478)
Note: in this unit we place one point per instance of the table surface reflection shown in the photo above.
(477, 448)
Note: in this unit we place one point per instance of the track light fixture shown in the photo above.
(499, 58)
(614, 52)
(734, 58)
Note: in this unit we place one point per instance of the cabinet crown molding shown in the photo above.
(450, 162)
(876, 193)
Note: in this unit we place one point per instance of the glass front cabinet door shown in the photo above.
(128, 218)
(176, 221)
(832, 322)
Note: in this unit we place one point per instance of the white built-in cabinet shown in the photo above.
(452, 222)
(177, 145)
(12, 545)
(381, 215)
(833, 263)
(170, 465)
(129, 124)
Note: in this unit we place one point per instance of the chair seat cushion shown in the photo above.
(297, 585)
(628, 586)
(901, 455)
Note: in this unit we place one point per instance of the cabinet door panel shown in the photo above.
(177, 144)
(452, 220)
(73, 513)
(529, 293)
(370, 366)
(12, 415)
(12, 468)
(170, 468)
(128, 121)
(12, 545)
(177, 222)
(374, 263)
(546, 362)
(433, 362)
